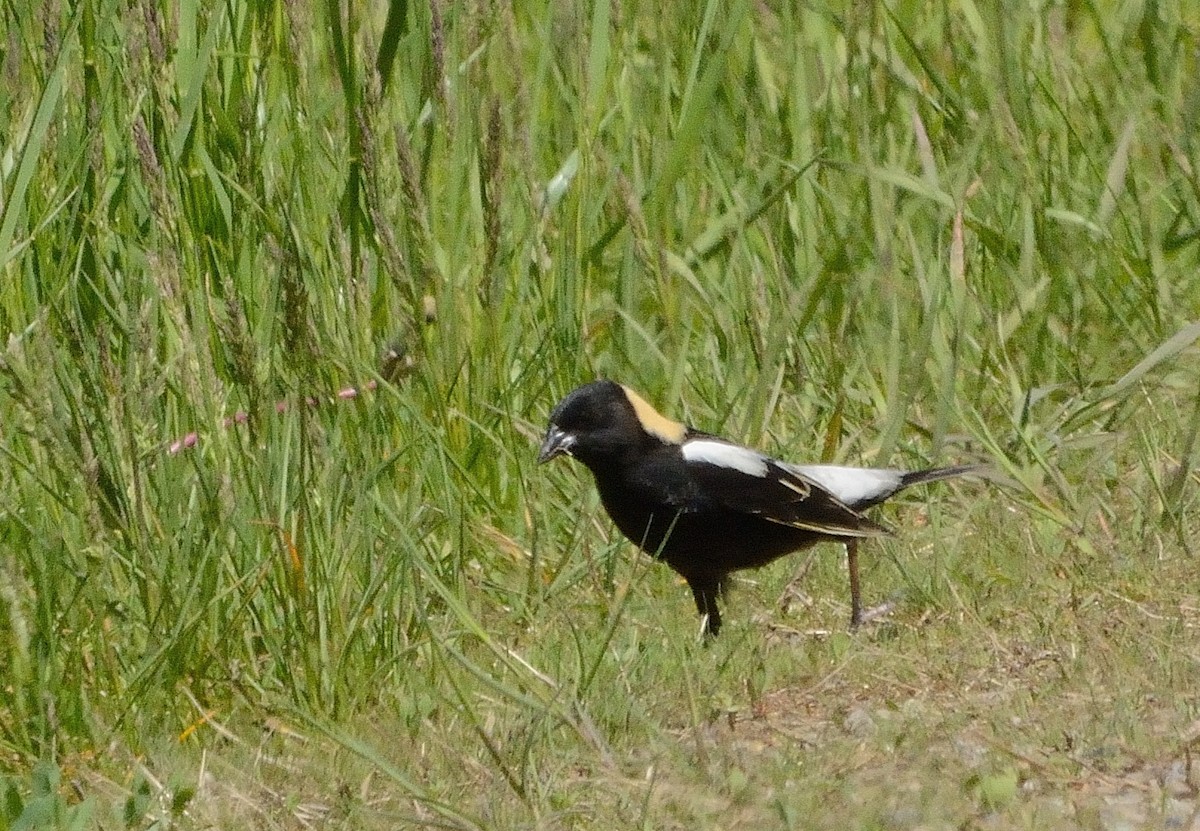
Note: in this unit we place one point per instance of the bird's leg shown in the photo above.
(704, 592)
(856, 614)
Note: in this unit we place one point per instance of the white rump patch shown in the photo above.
(730, 456)
(853, 484)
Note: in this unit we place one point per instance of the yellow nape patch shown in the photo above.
(655, 422)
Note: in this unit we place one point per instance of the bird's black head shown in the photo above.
(600, 422)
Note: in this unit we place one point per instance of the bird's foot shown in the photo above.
(862, 616)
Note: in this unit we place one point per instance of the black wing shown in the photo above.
(749, 482)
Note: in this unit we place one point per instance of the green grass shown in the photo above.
(906, 234)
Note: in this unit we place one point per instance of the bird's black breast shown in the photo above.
(645, 494)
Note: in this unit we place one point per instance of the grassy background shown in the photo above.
(902, 233)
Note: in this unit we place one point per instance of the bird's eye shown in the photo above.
(580, 422)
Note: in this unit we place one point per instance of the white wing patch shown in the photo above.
(852, 485)
(725, 455)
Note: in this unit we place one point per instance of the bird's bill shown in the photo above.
(556, 443)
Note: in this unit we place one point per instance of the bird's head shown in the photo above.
(602, 421)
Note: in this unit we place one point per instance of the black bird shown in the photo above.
(709, 507)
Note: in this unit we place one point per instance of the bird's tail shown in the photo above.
(933, 474)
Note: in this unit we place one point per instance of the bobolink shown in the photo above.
(709, 507)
